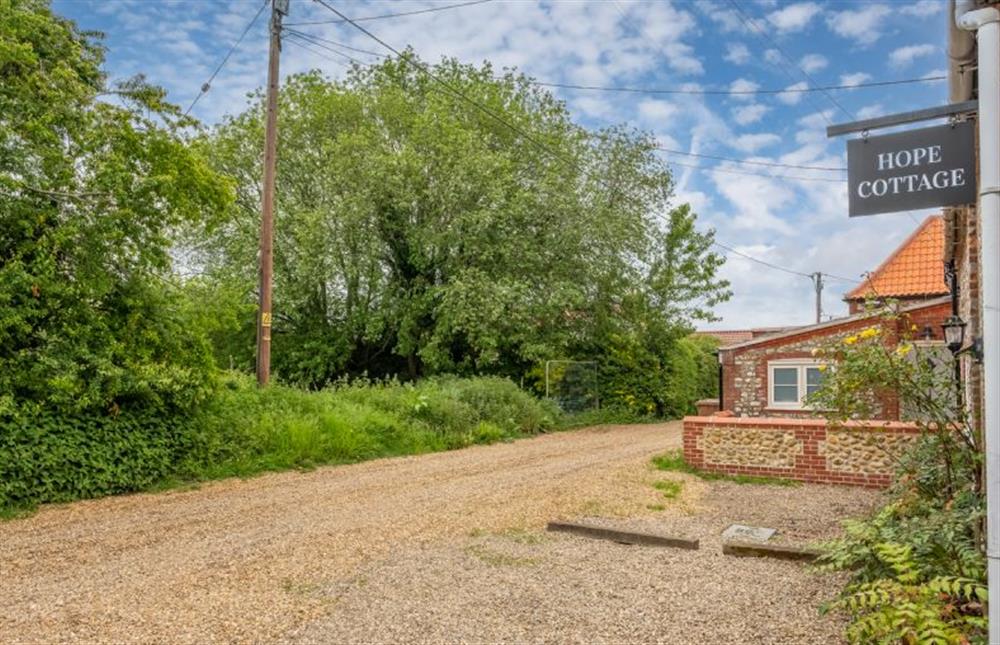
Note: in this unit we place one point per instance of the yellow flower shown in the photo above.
(913, 328)
(869, 333)
(850, 340)
(904, 349)
(822, 368)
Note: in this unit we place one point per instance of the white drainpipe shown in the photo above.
(986, 23)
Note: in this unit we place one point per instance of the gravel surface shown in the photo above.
(441, 547)
(236, 560)
(550, 587)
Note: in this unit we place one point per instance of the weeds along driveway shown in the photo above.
(237, 559)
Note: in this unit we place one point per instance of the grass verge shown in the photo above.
(243, 430)
(674, 462)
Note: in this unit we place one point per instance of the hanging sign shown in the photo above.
(914, 169)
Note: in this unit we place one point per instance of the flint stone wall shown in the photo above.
(858, 453)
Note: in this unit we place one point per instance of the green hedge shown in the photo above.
(53, 458)
(243, 430)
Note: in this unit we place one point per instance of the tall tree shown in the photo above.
(417, 232)
(94, 178)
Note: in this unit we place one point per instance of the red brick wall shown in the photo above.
(807, 442)
(962, 245)
(745, 374)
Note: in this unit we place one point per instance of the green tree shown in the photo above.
(94, 180)
(419, 234)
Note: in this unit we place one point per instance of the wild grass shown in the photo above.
(674, 462)
(670, 489)
(602, 416)
(246, 430)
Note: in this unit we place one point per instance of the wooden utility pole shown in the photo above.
(279, 8)
(818, 283)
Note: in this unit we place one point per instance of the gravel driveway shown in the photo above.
(356, 552)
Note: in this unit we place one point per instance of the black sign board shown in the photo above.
(913, 169)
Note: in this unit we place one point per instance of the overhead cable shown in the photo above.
(761, 35)
(538, 143)
(751, 162)
(207, 85)
(390, 15)
(333, 43)
(301, 43)
(748, 92)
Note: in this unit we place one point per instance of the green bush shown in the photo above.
(243, 430)
(55, 458)
(246, 430)
(918, 565)
(655, 376)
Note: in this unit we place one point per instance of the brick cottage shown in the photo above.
(766, 428)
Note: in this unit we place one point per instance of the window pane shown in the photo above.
(786, 376)
(786, 394)
(814, 379)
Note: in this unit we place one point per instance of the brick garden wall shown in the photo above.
(859, 453)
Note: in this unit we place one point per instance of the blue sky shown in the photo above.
(795, 218)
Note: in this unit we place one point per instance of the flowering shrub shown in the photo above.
(918, 564)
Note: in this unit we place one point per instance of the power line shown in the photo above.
(207, 85)
(390, 15)
(317, 53)
(841, 278)
(409, 61)
(332, 43)
(761, 35)
(673, 162)
(747, 173)
(730, 92)
(759, 261)
(781, 268)
(751, 162)
(539, 144)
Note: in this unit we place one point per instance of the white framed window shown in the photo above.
(790, 381)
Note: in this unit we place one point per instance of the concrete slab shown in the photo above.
(743, 533)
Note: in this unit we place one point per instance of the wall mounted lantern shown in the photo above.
(954, 337)
(954, 333)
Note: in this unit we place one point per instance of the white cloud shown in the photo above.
(795, 223)
(700, 202)
(860, 25)
(667, 141)
(794, 17)
(759, 202)
(743, 85)
(753, 142)
(722, 15)
(737, 53)
(656, 112)
(905, 55)
(813, 63)
(813, 128)
(854, 79)
(747, 114)
(924, 8)
(793, 98)
(870, 111)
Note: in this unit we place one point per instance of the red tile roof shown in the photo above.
(733, 336)
(728, 337)
(916, 268)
